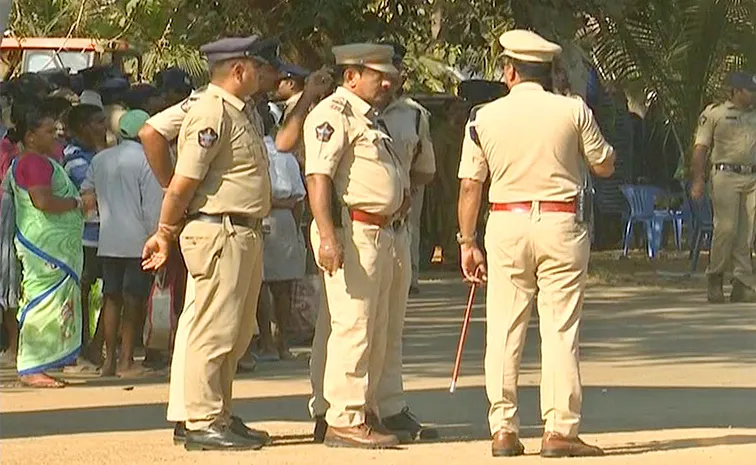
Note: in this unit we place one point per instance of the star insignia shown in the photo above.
(324, 132)
(207, 138)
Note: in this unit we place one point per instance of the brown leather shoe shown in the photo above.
(375, 423)
(359, 437)
(506, 444)
(555, 445)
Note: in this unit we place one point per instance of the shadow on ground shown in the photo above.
(460, 418)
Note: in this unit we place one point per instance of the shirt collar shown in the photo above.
(526, 86)
(294, 98)
(235, 101)
(359, 105)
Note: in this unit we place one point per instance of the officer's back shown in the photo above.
(536, 150)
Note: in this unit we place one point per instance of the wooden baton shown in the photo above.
(463, 337)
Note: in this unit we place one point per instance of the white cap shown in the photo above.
(528, 46)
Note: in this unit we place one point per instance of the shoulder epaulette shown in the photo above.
(339, 104)
(474, 111)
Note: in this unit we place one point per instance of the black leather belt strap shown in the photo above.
(732, 168)
(236, 220)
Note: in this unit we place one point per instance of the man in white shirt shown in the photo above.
(128, 199)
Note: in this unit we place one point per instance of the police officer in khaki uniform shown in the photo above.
(158, 137)
(408, 125)
(728, 132)
(414, 121)
(221, 181)
(531, 145)
(357, 189)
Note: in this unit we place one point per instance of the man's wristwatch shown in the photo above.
(466, 240)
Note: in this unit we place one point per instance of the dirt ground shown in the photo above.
(669, 379)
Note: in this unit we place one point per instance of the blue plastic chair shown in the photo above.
(641, 200)
(702, 216)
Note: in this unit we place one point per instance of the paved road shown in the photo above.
(669, 380)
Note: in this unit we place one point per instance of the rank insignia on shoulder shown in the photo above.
(338, 104)
(207, 138)
(186, 105)
(324, 132)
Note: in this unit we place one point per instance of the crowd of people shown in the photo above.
(80, 200)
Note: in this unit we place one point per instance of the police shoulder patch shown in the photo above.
(324, 132)
(207, 138)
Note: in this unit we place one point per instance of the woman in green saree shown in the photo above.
(49, 225)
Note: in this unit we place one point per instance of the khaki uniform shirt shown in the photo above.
(219, 145)
(168, 122)
(408, 123)
(532, 143)
(729, 133)
(344, 142)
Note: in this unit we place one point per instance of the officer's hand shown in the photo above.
(155, 252)
(318, 83)
(697, 190)
(330, 255)
(473, 264)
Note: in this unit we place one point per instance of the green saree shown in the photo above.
(50, 250)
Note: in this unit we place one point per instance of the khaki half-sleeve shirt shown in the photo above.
(168, 122)
(408, 123)
(532, 144)
(343, 142)
(219, 146)
(729, 133)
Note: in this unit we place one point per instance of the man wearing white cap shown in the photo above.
(357, 191)
(531, 144)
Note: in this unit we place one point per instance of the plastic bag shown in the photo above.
(285, 175)
(159, 324)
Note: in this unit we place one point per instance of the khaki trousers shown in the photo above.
(356, 306)
(733, 197)
(225, 262)
(176, 408)
(415, 215)
(548, 252)
(390, 394)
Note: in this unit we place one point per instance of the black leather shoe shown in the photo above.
(714, 292)
(405, 425)
(179, 433)
(320, 429)
(239, 427)
(219, 438)
(741, 292)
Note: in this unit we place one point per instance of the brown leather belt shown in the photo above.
(236, 220)
(545, 207)
(374, 219)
